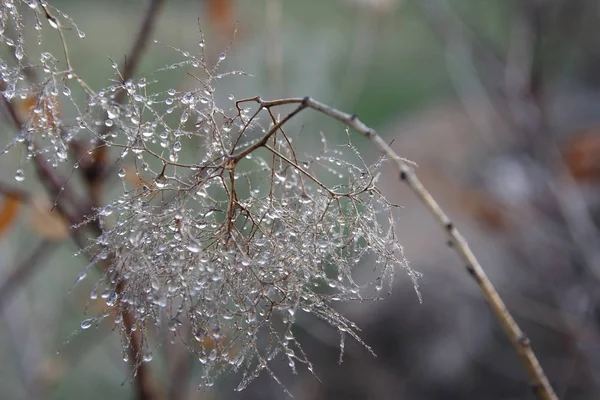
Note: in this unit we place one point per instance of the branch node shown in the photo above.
(524, 340)
(471, 272)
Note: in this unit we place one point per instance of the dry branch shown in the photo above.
(517, 337)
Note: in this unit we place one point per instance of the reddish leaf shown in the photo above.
(485, 209)
(221, 15)
(582, 155)
(46, 223)
(8, 211)
(48, 110)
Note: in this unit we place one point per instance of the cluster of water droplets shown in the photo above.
(36, 86)
(228, 251)
(223, 233)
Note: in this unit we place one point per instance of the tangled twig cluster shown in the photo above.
(223, 232)
(233, 246)
(225, 244)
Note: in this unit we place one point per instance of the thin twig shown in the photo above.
(519, 340)
(140, 44)
(138, 47)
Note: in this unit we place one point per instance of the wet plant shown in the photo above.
(224, 230)
(224, 244)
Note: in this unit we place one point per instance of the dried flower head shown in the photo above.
(227, 232)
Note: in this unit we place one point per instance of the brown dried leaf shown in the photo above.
(221, 15)
(8, 211)
(49, 110)
(46, 223)
(484, 208)
(582, 155)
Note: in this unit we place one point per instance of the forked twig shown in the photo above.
(539, 382)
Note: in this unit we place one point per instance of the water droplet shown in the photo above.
(193, 247)
(177, 146)
(113, 112)
(19, 175)
(261, 242)
(62, 153)
(111, 300)
(87, 323)
(109, 123)
(53, 22)
(222, 56)
(121, 173)
(201, 43)
(160, 181)
(212, 355)
(280, 178)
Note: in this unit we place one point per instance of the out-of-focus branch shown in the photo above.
(97, 171)
(55, 186)
(517, 337)
(141, 41)
(23, 270)
(463, 49)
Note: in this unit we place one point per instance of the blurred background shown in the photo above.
(499, 104)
